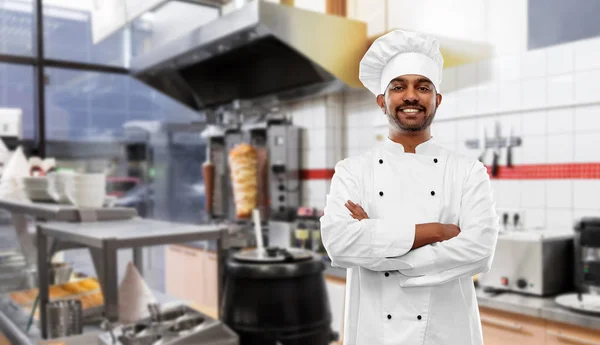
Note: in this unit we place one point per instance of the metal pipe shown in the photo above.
(40, 82)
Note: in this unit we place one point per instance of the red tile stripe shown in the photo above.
(549, 171)
(317, 174)
(520, 172)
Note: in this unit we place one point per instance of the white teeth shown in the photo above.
(410, 110)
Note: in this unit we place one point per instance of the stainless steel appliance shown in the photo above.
(587, 255)
(278, 145)
(177, 325)
(249, 53)
(536, 262)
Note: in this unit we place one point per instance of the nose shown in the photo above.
(410, 95)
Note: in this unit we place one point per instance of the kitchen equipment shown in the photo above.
(65, 318)
(496, 158)
(483, 139)
(277, 296)
(60, 273)
(174, 325)
(536, 262)
(208, 174)
(216, 187)
(258, 44)
(509, 146)
(587, 255)
(585, 303)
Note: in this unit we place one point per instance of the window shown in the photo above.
(17, 27)
(68, 35)
(94, 106)
(16, 91)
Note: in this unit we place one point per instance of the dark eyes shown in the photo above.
(420, 88)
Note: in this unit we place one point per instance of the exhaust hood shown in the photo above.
(262, 50)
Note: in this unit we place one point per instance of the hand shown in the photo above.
(356, 210)
(448, 231)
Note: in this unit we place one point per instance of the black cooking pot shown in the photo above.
(277, 296)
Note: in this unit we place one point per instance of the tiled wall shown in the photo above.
(548, 97)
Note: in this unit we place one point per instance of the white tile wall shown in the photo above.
(509, 95)
(487, 98)
(586, 147)
(586, 85)
(587, 119)
(559, 193)
(449, 80)
(561, 90)
(560, 120)
(467, 101)
(560, 59)
(506, 68)
(587, 54)
(534, 150)
(560, 148)
(508, 194)
(585, 194)
(466, 76)
(535, 218)
(560, 219)
(534, 63)
(534, 123)
(534, 93)
(533, 194)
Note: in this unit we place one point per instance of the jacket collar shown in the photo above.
(429, 147)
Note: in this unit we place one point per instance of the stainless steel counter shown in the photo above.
(14, 320)
(544, 308)
(104, 239)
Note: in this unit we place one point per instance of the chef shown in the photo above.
(411, 221)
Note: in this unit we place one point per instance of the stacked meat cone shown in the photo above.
(244, 179)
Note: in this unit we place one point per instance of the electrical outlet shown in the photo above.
(11, 122)
(511, 219)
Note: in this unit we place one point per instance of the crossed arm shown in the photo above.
(426, 254)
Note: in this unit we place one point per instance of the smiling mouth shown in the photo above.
(411, 110)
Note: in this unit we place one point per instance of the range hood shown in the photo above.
(261, 50)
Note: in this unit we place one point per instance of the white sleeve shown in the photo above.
(469, 253)
(366, 243)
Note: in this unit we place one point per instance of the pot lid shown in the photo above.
(274, 255)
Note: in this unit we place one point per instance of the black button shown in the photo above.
(419, 317)
(389, 317)
(281, 198)
(387, 274)
(435, 160)
(432, 193)
(380, 193)
(381, 161)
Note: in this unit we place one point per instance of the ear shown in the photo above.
(438, 99)
(381, 102)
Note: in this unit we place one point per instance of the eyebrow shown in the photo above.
(420, 80)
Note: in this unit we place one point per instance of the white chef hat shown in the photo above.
(398, 53)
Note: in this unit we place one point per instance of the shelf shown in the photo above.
(65, 213)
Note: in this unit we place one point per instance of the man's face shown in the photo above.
(410, 102)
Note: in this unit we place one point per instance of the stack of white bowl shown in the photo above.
(86, 190)
(36, 188)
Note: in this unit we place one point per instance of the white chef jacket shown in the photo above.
(395, 295)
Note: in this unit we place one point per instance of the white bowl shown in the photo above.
(35, 181)
(86, 197)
